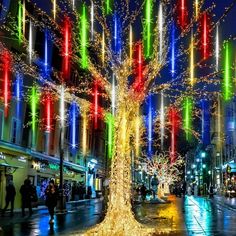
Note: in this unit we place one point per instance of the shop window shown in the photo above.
(1, 124)
(15, 131)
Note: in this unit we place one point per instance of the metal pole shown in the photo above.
(61, 148)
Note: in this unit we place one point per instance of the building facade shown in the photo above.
(30, 143)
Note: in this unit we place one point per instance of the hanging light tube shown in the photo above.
(162, 120)
(84, 135)
(30, 49)
(130, 45)
(160, 18)
(113, 95)
(192, 79)
(217, 48)
(92, 20)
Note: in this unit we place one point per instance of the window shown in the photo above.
(15, 131)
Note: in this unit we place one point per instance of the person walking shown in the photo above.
(10, 197)
(143, 191)
(51, 199)
(26, 191)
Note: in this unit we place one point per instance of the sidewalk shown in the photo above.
(70, 206)
(225, 201)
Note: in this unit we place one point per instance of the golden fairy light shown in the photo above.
(119, 218)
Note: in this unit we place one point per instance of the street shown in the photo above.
(189, 216)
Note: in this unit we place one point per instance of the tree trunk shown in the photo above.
(120, 219)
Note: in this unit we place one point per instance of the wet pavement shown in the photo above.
(182, 216)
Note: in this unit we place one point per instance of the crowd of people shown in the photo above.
(29, 196)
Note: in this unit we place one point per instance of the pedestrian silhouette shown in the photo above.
(143, 191)
(10, 197)
(51, 199)
(27, 192)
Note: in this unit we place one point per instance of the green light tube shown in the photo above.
(110, 134)
(227, 77)
(147, 28)
(34, 98)
(83, 39)
(188, 108)
(19, 22)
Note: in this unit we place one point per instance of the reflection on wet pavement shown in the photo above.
(182, 216)
(163, 217)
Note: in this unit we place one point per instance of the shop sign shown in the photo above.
(54, 166)
(22, 159)
(38, 165)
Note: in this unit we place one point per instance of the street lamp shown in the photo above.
(62, 206)
(203, 154)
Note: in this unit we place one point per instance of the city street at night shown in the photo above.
(189, 216)
(117, 117)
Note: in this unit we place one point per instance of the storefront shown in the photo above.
(229, 179)
(42, 171)
(12, 168)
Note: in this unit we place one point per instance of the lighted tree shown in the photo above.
(122, 68)
(166, 171)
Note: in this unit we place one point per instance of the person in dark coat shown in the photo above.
(10, 197)
(143, 191)
(26, 191)
(51, 199)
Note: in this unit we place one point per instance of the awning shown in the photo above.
(10, 166)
